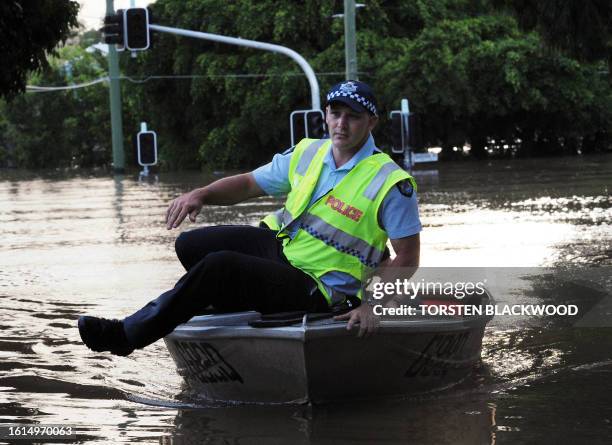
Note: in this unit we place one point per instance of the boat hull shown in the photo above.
(224, 359)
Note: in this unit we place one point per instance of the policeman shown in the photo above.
(345, 199)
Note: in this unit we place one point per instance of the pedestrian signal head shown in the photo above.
(315, 124)
(137, 29)
(147, 148)
(398, 132)
(113, 31)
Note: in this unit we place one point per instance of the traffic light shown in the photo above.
(298, 129)
(415, 135)
(147, 148)
(315, 124)
(137, 29)
(398, 132)
(306, 124)
(113, 31)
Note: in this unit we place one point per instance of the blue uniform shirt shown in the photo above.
(398, 214)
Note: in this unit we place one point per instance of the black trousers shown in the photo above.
(231, 268)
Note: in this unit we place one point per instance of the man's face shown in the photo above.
(348, 129)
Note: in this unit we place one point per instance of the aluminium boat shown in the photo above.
(248, 358)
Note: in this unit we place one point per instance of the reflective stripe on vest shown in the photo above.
(308, 156)
(273, 220)
(379, 180)
(278, 220)
(303, 178)
(281, 217)
(341, 241)
(286, 217)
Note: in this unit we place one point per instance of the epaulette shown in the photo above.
(405, 188)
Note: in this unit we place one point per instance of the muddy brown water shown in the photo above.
(89, 243)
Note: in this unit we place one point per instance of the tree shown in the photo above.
(29, 30)
(66, 128)
(471, 69)
(582, 28)
(479, 78)
(468, 68)
(236, 113)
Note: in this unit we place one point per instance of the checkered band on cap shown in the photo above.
(368, 105)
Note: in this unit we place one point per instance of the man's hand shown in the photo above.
(187, 204)
(368, 322)
(225, 191)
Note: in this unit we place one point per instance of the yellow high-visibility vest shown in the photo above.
(339, 231)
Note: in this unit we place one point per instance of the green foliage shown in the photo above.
(468, 68)
(218, 120)
(28, 31)
(471, 71)
(481, 77)
(581, 28)
(59, 129)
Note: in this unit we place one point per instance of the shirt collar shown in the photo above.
(366, 150)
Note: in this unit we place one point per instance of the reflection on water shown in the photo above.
(93, 244)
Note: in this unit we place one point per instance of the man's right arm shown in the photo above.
(225, 191)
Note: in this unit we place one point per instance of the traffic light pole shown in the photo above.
(350, 44)
(308, 71)
(405, 109)
(115, 103)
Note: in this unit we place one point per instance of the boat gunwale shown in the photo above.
(199, 329)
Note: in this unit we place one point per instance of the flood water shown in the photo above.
(77, 244)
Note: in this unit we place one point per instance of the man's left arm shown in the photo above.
(407, 253)
(399, 217)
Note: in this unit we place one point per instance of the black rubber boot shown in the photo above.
(100, 334)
